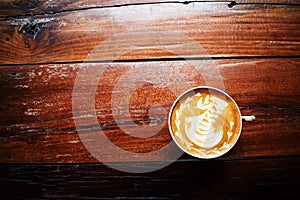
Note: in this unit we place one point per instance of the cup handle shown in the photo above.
(249, 118)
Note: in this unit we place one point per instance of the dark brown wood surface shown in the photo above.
(251, 47)
(243, 179)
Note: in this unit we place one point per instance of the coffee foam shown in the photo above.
(205, 122)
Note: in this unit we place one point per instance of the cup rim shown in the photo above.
(209, 88)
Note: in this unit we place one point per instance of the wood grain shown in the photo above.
(31, 7)
(244, 179)
(37, 123)
(45, 46)
(152, 31)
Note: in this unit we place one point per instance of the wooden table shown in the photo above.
(249, 48)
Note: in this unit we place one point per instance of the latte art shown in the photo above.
(205, 123)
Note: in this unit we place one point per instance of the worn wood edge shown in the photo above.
(53, 127)
(15, 8)
(258, 31)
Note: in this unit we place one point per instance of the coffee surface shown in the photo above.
(205, 122)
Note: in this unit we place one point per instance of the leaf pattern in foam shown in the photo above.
(206, 129)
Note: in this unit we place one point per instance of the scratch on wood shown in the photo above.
(21, 86)
(32, 112)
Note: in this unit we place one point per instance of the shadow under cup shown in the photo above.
(205, 122)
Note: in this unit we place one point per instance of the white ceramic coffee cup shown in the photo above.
(205, 122)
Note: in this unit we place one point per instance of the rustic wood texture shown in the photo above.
(151, 31)
(36, 108)
(45, 44)
(30, 7)
(245, 179)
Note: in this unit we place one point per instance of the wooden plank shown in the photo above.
(152, 31)
(30, 7)
(246, 179)
(37, 124)
(276, 132)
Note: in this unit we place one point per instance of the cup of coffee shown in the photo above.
(205, 122)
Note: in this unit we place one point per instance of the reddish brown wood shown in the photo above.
(29, 7)
(247, 30)
(256, 43)
(37, 122)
